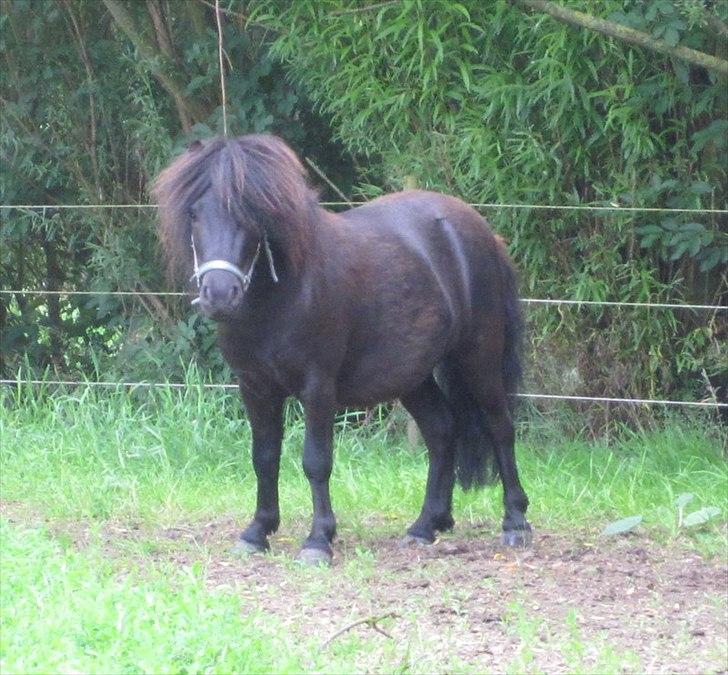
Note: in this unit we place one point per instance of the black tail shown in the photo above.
(475, 464)
(514, 330)
(475, 460)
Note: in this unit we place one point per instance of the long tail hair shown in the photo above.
(475, 460)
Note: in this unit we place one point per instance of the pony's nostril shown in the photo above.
(234, 292)
(205, 292)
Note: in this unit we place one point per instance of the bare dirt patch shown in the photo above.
(569, 603)
(561, 605)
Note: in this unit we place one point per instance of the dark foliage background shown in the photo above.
(492, 101)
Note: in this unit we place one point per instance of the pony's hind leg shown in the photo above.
(482, 376)
(428, 406)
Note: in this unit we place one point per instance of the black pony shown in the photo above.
(410, 296)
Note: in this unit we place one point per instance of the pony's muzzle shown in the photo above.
(221, 294)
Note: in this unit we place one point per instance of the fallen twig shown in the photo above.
(371, 621)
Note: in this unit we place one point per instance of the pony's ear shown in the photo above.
(195, 146)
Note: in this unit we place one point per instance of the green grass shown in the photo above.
(70, 612)
(149, 461)
(182, 456)
(580, 653)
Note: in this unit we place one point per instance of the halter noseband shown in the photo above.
(244, 277)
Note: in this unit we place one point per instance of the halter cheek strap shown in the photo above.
(244, 277)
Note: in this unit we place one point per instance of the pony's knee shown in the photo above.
(317, 466)
(265, 466)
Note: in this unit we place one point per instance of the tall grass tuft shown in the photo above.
(178, 455)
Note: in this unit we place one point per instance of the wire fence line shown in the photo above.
(489, 205)
(476, 205)
(37, 291)
(615, 303)
(209, 385)
(543, 301)
(528, 301)
(632, 401)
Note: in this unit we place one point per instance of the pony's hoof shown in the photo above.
(245, 548)
(517, 538)
(411, 540)
(315, 556)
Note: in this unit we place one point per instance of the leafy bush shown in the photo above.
(496, 104)
(98, 97)
(489, 101)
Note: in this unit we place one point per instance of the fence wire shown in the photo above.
(527, 301)
(612, 208)
(209, 385)
(476, 205)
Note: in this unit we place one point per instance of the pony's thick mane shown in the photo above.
(258, 177)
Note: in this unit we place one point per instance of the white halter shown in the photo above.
(244, 277)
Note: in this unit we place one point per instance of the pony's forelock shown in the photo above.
(257, 177)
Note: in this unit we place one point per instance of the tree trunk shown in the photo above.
(630, 35)
(158, 63)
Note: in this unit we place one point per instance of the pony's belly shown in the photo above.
(386, 367)
(366, 387)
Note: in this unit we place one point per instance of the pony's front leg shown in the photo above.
(265, 414)
(318, 450)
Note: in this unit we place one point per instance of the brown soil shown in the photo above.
(565, 604)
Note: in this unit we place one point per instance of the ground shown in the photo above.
(568, 603)
(118, 515)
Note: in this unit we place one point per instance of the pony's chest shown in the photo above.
(265, 368)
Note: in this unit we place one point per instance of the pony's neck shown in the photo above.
(299, 242)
